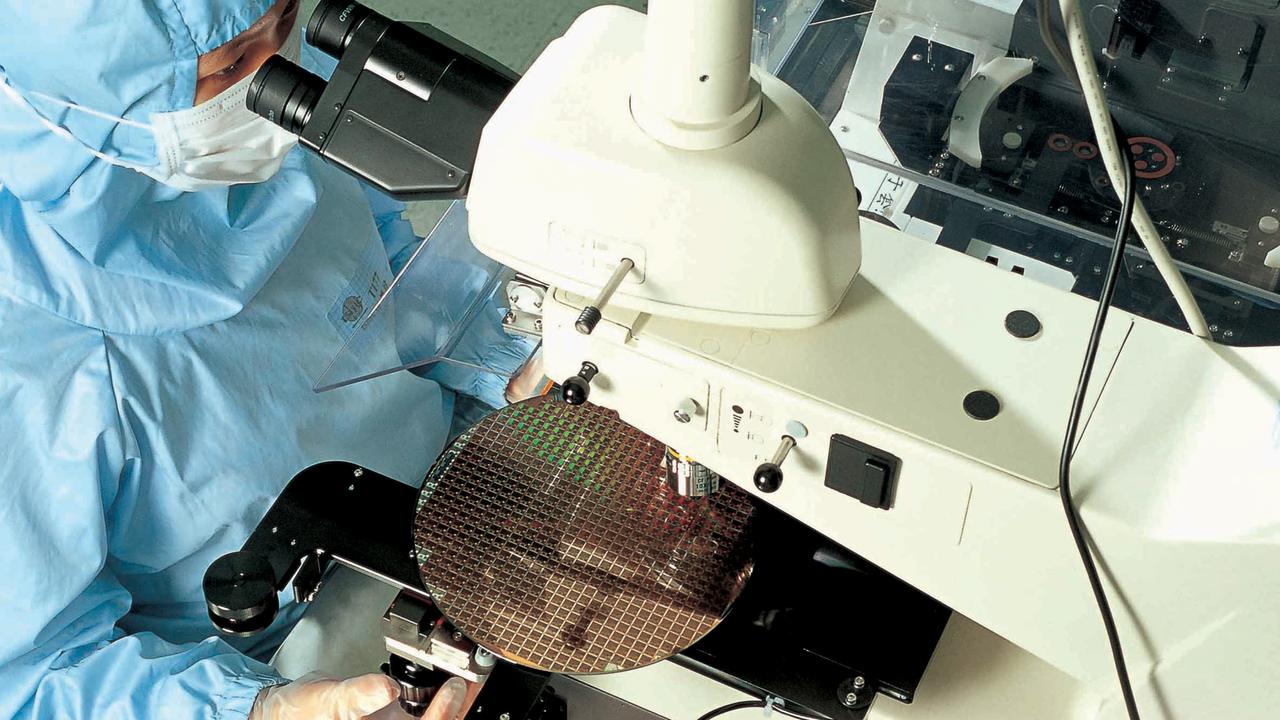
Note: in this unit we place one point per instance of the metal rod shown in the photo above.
(592, 313)
(784, 449)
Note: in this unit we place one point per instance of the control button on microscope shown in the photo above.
(875, 482)
(862, 472)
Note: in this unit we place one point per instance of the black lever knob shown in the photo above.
(768, 476)
(576, 389)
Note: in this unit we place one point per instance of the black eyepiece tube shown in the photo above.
(333, 24)
(285, 94)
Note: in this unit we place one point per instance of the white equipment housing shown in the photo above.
(1175, 476)
(760, 231)
(744, 248)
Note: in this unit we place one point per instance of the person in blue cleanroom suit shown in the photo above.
(167, 281)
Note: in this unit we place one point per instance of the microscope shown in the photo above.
(891, 409)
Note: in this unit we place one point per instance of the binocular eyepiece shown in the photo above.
(333, 24)
(403, 110)
(285, 93)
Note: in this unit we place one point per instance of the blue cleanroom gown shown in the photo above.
(157, 351)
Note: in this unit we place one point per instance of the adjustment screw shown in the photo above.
(685, 411)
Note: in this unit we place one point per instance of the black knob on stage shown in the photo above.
(418, 684)
(768, 477)
(576, 389)
(240, 593)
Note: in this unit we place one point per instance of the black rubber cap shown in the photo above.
(588, 320)
(981, 405)
(768, 478)
(240, 593)
(1022, 324)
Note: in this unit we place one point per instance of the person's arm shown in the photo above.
(69, 492)
(63, 475)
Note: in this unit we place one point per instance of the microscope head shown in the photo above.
(633, 137)
(651, 139)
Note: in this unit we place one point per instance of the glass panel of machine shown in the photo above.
(963, 130)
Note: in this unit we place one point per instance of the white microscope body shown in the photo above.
(723, 186)
(737, 209)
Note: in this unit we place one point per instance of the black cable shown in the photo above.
(726, 709)
(1062, 54)
(745, 704)
(1073, 425)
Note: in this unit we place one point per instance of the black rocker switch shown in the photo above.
(862, 472)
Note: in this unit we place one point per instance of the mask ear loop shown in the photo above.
(16, 98)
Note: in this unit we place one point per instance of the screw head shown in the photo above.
(358, 472)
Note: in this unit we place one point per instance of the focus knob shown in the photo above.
(240, 593)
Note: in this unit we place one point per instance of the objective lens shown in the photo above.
(333, 23)
(285, 94)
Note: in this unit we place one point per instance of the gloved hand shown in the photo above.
(354, 699)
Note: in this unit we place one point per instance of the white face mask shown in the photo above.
(217, 143)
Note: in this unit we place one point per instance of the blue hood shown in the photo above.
(105, 246)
